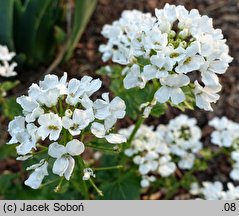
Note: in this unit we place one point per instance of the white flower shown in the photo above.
(109, 111)
(78, 88)
(214, 191)
(226, 133)
(31, 108)
(56, 103)
(150, 153)
(151, 72)
(166, 167)
(7, 70)
(49, 90)
(169, 13)
(47, 97)
(186, 161)
(5, 55)
(50, 125)
(206, 95)
(154, 40)
(17, 125)
(88, 172)
(100, 131)
(171, 88)
(234, 174)
(232, 193)
(192, 61)
(80, 120)
(27, 143)
(134, 78)
(195, 189)
(146, 180)
(64, 163)
(52, 81)
(25, 135)
(175, 41)
(35, 179)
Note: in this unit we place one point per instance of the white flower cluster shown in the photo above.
(169, 47)
(214, 191)
(59, 112)
(153, 150)
(183, 137)
(150, 153)
(226, 135)
(7, 69)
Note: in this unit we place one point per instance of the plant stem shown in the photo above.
(108, 168)
(39, 152)
(84, 190)
(41, 146)
(58, 187)
(101, 148)
(136, 127)
(48, 183)
(55, 109)
(100, 193)
(61, 107)
(82, 136)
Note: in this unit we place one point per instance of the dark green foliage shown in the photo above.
(35, 29)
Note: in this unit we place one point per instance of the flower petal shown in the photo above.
(75, 147)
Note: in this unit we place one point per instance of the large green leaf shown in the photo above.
(27, 21)
(45, 42)
(6, 21)
(82, 13)
(126, 187)
(133, 97)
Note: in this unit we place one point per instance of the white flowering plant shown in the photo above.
(226, 137)
(170, 59)
(169, 152)
(7, 70)
(176, 53)
(215, 191)
(59, 121)
(66, 134)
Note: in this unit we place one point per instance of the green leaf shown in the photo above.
(11, 108)
(187, 180)
(134, 98)
(82, 13)
(6, 20)
(59, 35)
(29, 22)
(7, 151)
(113, 71)
(78, 183)
(8, 85)
(6, 182)
(158, 110)
(200, 165)
(33, 29)
(126, 187)
(103, 145)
